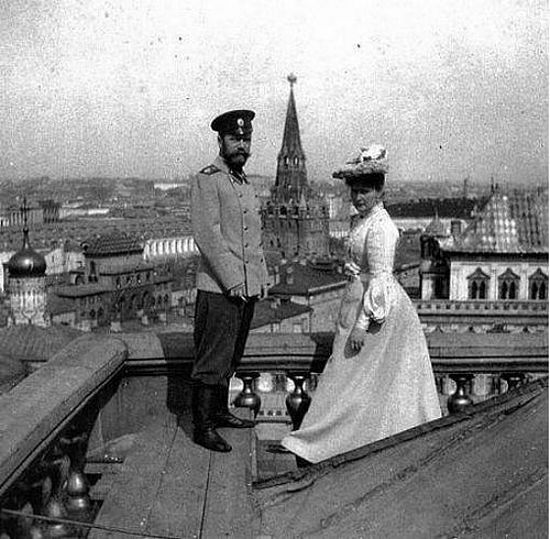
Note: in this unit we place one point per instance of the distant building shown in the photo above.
(295, 220)
(274, 315)
(499, 263)
(27, 283)
(167, 247)
(318, 287)
(419, 214)
(45, 211)
(116, 284)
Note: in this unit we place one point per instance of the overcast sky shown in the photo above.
(128, 88)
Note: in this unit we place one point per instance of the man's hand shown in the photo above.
(357, 338)
(238, 291)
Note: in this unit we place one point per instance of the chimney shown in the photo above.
(289, 275)
(456, 228)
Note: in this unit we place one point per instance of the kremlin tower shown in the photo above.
(295, 220)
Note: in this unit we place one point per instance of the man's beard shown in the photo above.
(235, 160)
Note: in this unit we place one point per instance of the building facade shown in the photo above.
(494, 274)
(116, 284)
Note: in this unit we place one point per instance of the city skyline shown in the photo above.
(112, 90)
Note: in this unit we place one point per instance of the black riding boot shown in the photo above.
(223, 417)
(204, 410)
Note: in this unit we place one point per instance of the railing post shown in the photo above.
(77, 488)
(297, 402)
(248, 398)
(460, 398)
(78, 502)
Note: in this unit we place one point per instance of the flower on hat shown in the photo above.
(371, 160)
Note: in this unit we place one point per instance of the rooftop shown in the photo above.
(112, 243)
(509, 222)
(302, 279)
(267, 312)
(481, 472)
(33, 343)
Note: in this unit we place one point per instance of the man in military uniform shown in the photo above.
(230, 278)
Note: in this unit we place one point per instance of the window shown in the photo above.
(478, 283)
(538, 285)
(508, 285)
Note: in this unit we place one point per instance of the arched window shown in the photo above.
(508, 285)
(538, 285)
(478, 283)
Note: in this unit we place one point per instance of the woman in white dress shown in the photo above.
(378, 380)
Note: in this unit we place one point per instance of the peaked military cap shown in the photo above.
(238, 122)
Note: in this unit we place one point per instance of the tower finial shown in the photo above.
(292, 78)
(24, 213)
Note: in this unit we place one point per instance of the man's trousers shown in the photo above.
(221, 329)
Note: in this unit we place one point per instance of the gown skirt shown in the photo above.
(385, 388)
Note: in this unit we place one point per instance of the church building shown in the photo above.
(27, 283)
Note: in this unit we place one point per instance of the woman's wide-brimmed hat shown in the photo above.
(371, 160)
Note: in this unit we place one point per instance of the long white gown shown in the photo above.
(386, 387)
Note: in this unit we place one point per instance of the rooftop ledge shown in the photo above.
(36, 411)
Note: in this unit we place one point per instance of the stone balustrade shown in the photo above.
(482, 316)
(45, 423)
(462, 306)
(111, 386)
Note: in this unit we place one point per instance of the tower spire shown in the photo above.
(291, 181)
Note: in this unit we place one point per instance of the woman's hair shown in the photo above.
(375, 180)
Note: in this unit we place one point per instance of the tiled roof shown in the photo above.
(299, 279)
(513, 222)
(34, 343)
(113, 243)
(266, 312)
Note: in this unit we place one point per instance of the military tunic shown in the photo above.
(226, 222)
(225, 216)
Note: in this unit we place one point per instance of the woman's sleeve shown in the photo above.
(380, 246)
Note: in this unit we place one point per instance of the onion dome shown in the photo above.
(26, 262)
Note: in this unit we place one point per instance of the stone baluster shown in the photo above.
(513, 379)
(78, 502)
(55, 509)
(460, 398)
(297, 402)
(248, 398)
(77, 488)
(58, 465)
